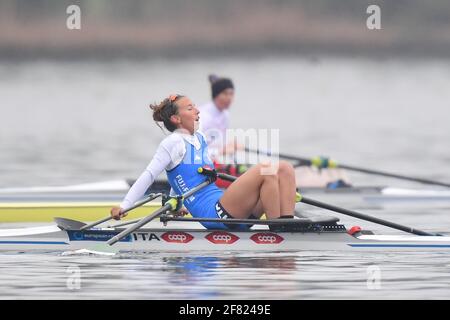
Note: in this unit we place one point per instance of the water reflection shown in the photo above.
(302, 275)
(212, 276)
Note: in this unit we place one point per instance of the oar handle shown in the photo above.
(365, 217)
(210, 173)
(136, 205)
(229, 177)
(141, 222)
(150, 197)
(213, 174)
(123, 224)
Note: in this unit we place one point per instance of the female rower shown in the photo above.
(215, 115)
(262, 189)
(214, 124)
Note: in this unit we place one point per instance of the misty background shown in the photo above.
(180, 28)
(74, 103)
(74, 109)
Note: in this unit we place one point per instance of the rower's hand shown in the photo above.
(182, 212)
(117, 214)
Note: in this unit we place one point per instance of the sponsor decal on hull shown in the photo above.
(94, 235)
(222, 237)
(266, 238)
(177, 237)
(145, 236)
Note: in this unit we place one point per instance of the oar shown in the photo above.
(300, 198)
(137, 204)
(169, 206)
(107, 249)
(207, 172)
(123, 224)
(366, 217)
(322, 162)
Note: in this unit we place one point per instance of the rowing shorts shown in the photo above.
(215, 210)
(223, 214)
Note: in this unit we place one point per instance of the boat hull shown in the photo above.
(52, 239)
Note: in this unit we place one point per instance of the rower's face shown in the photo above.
(224, 99)
(188, 115)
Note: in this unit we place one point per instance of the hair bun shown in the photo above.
(157, 109)
(164, 110)
(212, 78)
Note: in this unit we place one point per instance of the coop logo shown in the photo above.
(177, 237)
(266, 238)
(222, 237)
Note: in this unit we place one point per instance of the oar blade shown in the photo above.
(69, 224)
(101, 249)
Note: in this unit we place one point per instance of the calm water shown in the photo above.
(81, 122)
(66, 123)
(306, 275)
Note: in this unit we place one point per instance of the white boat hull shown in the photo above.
(52, 239)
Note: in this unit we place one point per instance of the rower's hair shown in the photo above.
(213, 78)
(164, 110)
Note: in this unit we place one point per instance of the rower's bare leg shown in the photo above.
(287, 185)
(242, 196)
(258, 211)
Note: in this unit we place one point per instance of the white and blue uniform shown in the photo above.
(180, 155)
(185, 176)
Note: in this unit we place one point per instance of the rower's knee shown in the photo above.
(269, 176)
(267, 169)
(268, 173)
(285, 169)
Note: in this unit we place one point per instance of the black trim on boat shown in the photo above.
(325, 224)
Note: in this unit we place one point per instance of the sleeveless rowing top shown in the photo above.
(185, 176)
